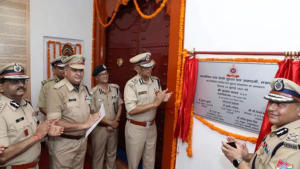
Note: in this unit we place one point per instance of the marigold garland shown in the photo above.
(162, 5)
(179, 78)
(224, 132)
(113, 16)
(189, 137)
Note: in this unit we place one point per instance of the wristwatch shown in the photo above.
(237, 162)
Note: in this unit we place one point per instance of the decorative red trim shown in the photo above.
(76, 63)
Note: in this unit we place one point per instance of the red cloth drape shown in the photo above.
(288, 69)
(188, 93)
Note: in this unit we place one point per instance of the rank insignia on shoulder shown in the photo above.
(19, 119)
(292, 137)
(283, 165)
(72, 100)
(281, 132)
(14, 104)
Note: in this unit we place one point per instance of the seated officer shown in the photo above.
(69, 102)
(58, 72)
(280, 149)
(19, 132)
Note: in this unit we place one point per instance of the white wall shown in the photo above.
(234, 25)
(71, 19)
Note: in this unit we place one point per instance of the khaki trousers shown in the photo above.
(140, 143)
(104, 144)
(68, 153)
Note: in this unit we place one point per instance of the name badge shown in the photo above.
(72, 100)
(142, 92)
(20, 119)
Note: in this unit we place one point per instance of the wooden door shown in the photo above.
(129, 35)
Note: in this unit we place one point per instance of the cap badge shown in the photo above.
(147, 57)
(17, 68)
(278, 86)
(104, 66)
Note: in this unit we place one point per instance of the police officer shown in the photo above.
(58, 71)
(69, 101)
(19, 133)
(280, 149)
(105, 135)
(142, 96)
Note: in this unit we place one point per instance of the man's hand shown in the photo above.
(92, 119)
(2, 148)
(43, 129)
(114, 124)
(168, 96)
(55, 130)
(244, 149)
(159, 98)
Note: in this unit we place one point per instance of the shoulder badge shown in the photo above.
(58, 85)
(114, 85)
(281, 132)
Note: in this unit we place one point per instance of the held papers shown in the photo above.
(102, 114)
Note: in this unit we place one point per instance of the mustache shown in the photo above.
(21, 88)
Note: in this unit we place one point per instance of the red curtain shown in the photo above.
(188, 93)
(288, 69)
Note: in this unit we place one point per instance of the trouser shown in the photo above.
(68, 153)
(140, 143)
(104, 145)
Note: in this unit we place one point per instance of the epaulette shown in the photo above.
(133, 81)
(59, 85)
(157, 79)
(48, 80)
(114, 85)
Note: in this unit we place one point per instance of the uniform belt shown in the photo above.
(140, 123)
(22, 166)
(71, 137)
(101, 125)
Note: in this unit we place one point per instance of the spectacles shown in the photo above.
(17, 81)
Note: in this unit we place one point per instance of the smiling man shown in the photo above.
(280, 149)
(69, 102)
(19, 133)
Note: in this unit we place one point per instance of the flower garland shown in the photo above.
(162, 5)
(224, 132)
(179, 78)
(113, 16)
(189, 137)
(241, 60)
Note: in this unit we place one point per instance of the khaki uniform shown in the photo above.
(46, 85)
(105, 142)
(65, 102)
(280, 149)
(16, 124)
(140, 140)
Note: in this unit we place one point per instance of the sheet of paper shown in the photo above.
(102, 114)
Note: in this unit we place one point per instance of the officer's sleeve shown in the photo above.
(130, 97)
(54, 104)
(120, 100)
(42, 101)
(3, 132)
(93, 103)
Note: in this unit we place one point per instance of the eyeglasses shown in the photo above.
(17, 81)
